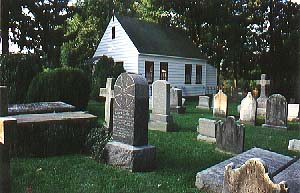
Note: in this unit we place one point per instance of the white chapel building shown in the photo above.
(158, 53)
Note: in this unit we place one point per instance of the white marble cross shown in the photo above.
(263, 82)
(108, 93)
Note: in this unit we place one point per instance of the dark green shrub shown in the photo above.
(96, 141)
(99, 72)
(69, 85)
(16, 72)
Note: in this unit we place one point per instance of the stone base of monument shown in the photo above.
(132, 158)
(178, 109)
(211, 179)
(203, 107)
(206, 138)
(160, 123)
(274, 126)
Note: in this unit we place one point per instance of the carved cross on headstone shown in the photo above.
(263, 82)
(108, 93)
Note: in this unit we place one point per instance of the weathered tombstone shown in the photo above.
(262, 99)
(176, 101)
(207, 130)
(250, 177)
(248, 109)
(160, 118)
(294, 145)
(108, 93)
(220, 104)
(129, 148)
(211, 179)
(3, 101)
(7, 125)
(230, 136)
(203, 102)
(293, 112)
(276, 112)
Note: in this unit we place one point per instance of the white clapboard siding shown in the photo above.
(211, 79)
(176, 72)
(121, 49)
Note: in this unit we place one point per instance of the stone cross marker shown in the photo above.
(250, 177)
(129, 148)
(220, 104)
(230, 136)
(262, 99)
(160, 117)
(276, 112)
(248, 109)
(108, 93)
(176, 101)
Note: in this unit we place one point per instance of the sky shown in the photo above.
(14, 47)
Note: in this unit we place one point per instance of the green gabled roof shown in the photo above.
(153, 38)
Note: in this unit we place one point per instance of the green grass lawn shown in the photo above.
(179, 157)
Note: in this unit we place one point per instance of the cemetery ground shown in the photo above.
(179, 157)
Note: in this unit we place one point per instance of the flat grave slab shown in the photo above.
(211, 179)
(291, 175)
(40, 107)
(51, 117)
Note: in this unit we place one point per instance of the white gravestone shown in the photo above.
(203, 102)
(220, 104)
(207, 130)
(294, 145)
(248, 109)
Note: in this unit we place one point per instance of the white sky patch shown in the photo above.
(296, 1)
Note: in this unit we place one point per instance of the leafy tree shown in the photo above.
(39, 26)
(4, 25)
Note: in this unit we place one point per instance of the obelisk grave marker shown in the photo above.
(262, 99)
(129, 148)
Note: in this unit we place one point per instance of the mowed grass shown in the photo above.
(179, 157)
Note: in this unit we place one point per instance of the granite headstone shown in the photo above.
(207, 130)
(276, 112)
(129, 148)
(203, 102)
(176, 101)
(160, 118)
(230, 136)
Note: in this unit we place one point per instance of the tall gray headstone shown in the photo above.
(129, 148)
(276, 112)
(203, 102)
(220, 104)
(248, 109)
(262, 99)
(230, 136)
(108, 93)
(176, 101)
(160, 118)
(3, 101)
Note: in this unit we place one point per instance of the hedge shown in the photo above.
(65, 84)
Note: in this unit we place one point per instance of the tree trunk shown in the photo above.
(4, 23)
